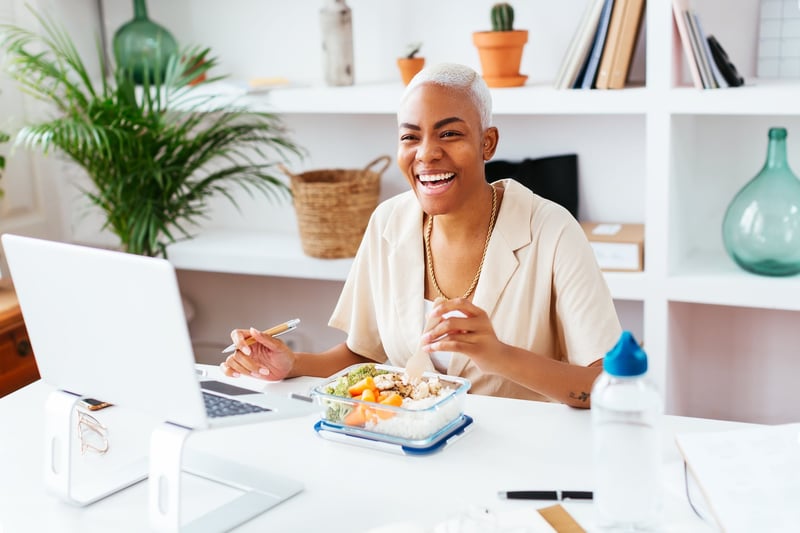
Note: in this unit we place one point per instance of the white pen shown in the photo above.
(274, 331)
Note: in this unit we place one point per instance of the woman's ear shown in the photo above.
(490, 139)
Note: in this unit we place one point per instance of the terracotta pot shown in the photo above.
(500, 53)
(409, 66)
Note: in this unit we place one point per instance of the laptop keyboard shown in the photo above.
(217, 406)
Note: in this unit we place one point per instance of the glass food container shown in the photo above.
(416, 422)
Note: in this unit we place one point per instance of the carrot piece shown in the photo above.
(368, 395)
(393, 399)
(358, 388)
(356, 417)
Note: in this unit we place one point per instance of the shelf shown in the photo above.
(383, 98)
(281, 255)
(759, 97)
(256, 253)
(706, 278)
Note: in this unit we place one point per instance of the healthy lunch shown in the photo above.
(384, 400)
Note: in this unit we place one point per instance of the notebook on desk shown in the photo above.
(111, 325)
(746, 478)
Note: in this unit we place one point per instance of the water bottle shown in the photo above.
(626, 441)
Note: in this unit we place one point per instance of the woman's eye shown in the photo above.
(407, 137)
(450, 134)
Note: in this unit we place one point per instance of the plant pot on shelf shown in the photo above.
(500, 53)
(409, 66)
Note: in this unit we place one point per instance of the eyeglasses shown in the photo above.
(93, 435)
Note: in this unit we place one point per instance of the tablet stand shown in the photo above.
(62, 473)
(169, 458)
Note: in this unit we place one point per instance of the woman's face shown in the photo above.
(442, 148)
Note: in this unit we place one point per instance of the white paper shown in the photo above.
(750, 477)
(607, 229)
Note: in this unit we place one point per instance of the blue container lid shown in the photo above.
(626, 358)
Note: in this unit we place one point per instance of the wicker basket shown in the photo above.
(333, 207)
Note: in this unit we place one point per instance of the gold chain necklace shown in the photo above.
(429, 256)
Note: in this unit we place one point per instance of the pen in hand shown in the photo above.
(274, 331)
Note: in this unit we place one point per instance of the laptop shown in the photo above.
(111, 325)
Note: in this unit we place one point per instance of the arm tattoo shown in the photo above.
(582, 396)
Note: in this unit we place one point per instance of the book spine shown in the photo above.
(631, 23)
(678, 7)
(717, 75)
(597, 47)
(579, 47)
(612, 40)
(697, 49)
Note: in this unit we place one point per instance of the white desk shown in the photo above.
(513, 445)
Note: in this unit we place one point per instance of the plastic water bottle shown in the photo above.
(626, 432)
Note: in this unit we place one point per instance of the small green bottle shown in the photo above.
(143, 47)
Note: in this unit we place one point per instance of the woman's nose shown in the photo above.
(428, 150)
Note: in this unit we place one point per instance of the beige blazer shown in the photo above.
(540, 285)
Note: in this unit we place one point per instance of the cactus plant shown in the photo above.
(502, 17)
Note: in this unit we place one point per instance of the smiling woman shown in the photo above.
(535, 316)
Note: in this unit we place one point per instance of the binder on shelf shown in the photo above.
(617, 247)
(723, 62)
(626, 43)
(678, 7)
(579, 46)
(598, 46)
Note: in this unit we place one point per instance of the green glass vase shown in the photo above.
(143, 47)
(761, 228)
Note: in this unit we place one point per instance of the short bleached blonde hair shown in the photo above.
(459, 77)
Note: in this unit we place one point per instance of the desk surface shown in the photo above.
(514, 444)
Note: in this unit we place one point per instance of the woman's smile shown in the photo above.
(436, 183)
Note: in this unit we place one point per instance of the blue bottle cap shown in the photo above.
(626, 358)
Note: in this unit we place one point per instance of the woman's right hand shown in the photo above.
(267, 358)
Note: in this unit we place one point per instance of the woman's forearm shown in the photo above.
(562, 382)
(325, 363)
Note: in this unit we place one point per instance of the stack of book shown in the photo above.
(709, 65)
(600, 53)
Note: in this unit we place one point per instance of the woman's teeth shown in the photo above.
(433, 178)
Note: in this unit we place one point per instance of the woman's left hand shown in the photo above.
(472, 335)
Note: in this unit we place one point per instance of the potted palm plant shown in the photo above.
(500, 50)
(154, 154)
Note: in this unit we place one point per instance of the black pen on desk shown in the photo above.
(274, 331)
(558, 495)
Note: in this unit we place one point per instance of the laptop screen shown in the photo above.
(107, 324)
